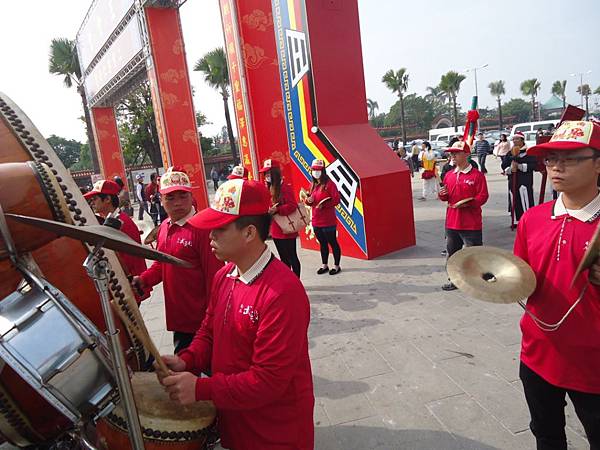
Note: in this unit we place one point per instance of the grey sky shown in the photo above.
(547, 39)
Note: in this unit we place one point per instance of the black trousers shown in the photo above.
(481, 157)
(287, 254)
(327, 237)
(143, 209)
(456, 239)
(547, 409)
(215, 184)
(182, 340)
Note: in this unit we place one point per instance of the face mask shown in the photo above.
(268, 178)
(316, 174)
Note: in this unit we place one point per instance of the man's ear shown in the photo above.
(250, 233)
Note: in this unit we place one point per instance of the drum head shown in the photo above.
(158, 412)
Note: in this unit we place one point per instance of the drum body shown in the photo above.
(58, 351)
(165, 423)
(41, 188)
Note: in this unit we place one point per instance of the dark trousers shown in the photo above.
(327, 237)
(481, 158)
(547, 409)
(456, 239)
(182, 340)
(154, 212)
(143, 208)
(287, 254)
(215, 184)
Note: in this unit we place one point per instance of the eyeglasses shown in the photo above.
(566, 162)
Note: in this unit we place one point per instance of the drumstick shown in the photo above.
(142, 334)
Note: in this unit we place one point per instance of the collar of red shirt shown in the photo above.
(465, 170)
(586, 214)
(253, 272)
(181, 222)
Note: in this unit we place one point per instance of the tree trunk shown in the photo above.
(89, 130)
(500, 113)
(454, 114)
(234, 152)
(402, 119)
(587, 109)
(532, 108)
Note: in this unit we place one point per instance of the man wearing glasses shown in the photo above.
(560, 350)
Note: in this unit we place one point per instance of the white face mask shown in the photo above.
(268, 178)
(316, 174)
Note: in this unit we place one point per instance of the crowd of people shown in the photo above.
(240, 317)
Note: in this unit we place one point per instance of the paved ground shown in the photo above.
(400, 364)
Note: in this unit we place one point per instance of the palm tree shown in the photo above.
(450, 85)
(585, 90)
(216, 75)
(559, 88)
(398, 82)
(497, 90)
(372, 106)
(530, 88)
(63, 61)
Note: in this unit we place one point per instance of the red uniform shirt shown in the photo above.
(466, 183)
(325, 215)
(553, 244)
(287, 205)
(133, 265)
(254, 339)
(186, 290)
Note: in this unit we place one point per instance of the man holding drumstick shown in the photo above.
(560, 349)
(465, 190)
(254, 336)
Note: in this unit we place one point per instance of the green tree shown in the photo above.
(63, 61)
(214, 67)
(378, 121)
(85, 159)
(372, 106)
(597, 91)
(418, 112)
(397, 82)
(530, 88)
(67, 150)
(438, 100)
(450, 85)
(559, 88)
(137, 128)
(497, 90)
(518, 108)
(585, 90)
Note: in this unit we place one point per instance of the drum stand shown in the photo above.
(97, 268)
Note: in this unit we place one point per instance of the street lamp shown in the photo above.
(581, 74)
(474, 70)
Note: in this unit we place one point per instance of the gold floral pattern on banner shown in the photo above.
(172, 76)
(188, 136)
(277, 109)
(254, 56)
(169, 100)
(177, 48)
(258, 20)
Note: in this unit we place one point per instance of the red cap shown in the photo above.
(459, 146)
(318, 164)
(174, 180)
(519, 134)
(571, 135)
(234, 199)
(238, 173)
(268, 165)
(108, 187)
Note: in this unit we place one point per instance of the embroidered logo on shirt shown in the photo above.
(470, 182)
(184, 242)
(250, 312)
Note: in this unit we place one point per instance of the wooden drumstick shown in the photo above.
(142, 334)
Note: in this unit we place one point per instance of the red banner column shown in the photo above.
(172, 98)
(110, 156)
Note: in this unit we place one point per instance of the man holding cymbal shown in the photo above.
(560, 350)
(465, 190)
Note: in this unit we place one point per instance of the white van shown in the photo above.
(532, 126)
(444, 134)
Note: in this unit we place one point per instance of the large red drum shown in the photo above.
(42, 187)
(165, 423)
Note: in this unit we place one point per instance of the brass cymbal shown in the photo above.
(93, 234)
(590, 256)
(491, 274)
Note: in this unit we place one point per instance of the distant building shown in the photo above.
(553, 107)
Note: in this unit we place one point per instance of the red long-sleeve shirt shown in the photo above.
(254, 339)
(553, 243)
(462, 184)
(325, 215)
(287, 205)
(186, 290)
(133, 264)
